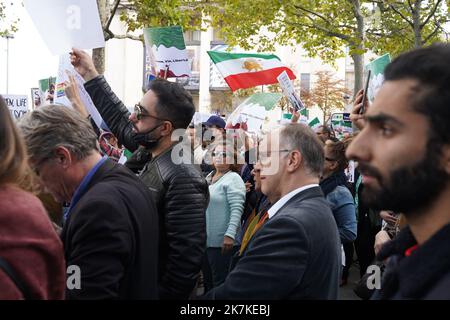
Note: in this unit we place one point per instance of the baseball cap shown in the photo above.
(215, 121)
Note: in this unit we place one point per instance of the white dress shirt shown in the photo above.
(277, 206)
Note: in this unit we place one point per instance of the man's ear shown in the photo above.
(167, 128)
(295, 160)
(63, 156)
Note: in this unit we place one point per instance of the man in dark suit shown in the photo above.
(110, 231)
(295, 254)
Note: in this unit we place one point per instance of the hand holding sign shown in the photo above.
(83, 64)
(72, 92)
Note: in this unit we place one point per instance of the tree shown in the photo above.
(413, 23)
(325, 28)
(328, 94)
(139, 14)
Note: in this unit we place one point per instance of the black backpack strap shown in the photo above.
(9, 271)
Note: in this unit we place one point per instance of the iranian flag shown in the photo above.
(246, 70)
(166, 52)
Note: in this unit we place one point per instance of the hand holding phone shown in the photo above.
(366, 88)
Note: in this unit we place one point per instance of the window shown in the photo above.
(305, 81)
(192, 37)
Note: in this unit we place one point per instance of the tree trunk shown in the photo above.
(98, 55)
(358, 58)
(418, 43)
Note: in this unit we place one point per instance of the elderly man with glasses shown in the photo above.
(295, 251)
(110, 232)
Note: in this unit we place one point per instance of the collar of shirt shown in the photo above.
(280, 203)
(87, 178)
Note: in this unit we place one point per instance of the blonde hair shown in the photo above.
(13, 161)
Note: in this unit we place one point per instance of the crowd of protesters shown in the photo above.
(272, 216)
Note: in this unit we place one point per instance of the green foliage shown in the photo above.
(162, 13)
(6, 26)
(324, 28)
(402, 30)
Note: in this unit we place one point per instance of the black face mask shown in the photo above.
(146, 140)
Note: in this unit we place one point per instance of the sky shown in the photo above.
(29, 58)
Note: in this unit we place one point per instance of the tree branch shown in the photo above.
(324, 30)
(432, 33)
(433, 11)
(112, 14)
(327, 21)
(401, 14)
(127, 36)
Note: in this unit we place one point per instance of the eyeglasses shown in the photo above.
(142, 113)
(222, 154)
(265, 156)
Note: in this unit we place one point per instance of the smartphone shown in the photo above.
(366, 88)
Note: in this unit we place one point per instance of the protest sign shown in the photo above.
(350, 171)
(289, 91)
(376, 67)
(251, 114)
(47, 90)
(64, 24)
(61, 98)
(17, 105)
(341, 124)
(36, 99)
(167, 53)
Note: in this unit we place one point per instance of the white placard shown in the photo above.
(17, 105)
(60, 96)
(350, 171)
(64, 24)
(289, 91)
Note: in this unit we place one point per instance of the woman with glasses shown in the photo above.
(223, 215)
(335, 188)
(31, 255)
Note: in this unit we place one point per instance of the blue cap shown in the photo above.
(215, 121)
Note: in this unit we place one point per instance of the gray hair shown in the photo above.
(54, 126)
(297, 136)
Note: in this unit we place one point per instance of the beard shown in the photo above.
(408, 189)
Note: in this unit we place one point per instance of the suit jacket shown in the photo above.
(295, 255)
(111, 234)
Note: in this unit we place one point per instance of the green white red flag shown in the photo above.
(246, 70)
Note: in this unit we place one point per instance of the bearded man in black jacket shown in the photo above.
(178, 187)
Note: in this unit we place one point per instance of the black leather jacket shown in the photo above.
(180, 193)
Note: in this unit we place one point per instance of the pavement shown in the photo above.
(346, 292)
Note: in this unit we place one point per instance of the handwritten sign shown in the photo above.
(17, 105)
